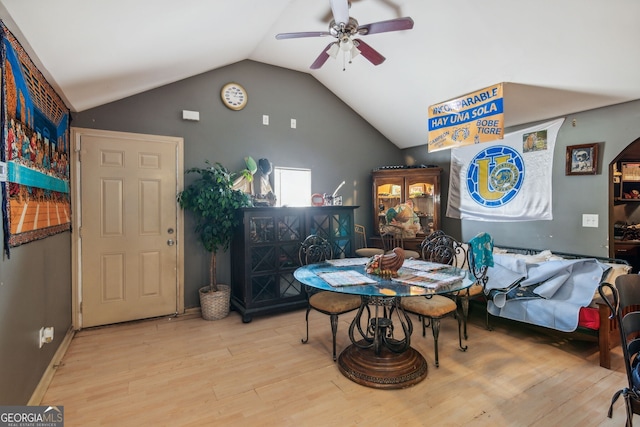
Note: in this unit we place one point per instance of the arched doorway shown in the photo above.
(624, 205)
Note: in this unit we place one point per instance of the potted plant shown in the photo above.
(213, 201)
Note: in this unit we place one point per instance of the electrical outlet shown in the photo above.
(590, 220)
(293, 123)
(46, 335)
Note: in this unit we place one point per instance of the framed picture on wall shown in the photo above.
(582, 159)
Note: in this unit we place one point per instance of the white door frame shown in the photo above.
(76, 209)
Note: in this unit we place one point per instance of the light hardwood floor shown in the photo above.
(186, 371)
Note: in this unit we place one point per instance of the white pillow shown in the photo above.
(530, 259)
(615, 271)
(543, 256)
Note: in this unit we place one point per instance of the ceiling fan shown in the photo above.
(345, 29)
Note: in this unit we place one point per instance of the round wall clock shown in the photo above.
(234, 96)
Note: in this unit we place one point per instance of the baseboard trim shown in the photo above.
(47, 377)
(192, 312)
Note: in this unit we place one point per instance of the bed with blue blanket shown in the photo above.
(556, 291)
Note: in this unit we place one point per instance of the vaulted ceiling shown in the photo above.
(563, 56)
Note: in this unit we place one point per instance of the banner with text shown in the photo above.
(505, 181)
(470, 119)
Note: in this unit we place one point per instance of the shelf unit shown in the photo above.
(626, 190)
(627, 185)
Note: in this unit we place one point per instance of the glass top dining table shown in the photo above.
(415, 278)
(380, 354)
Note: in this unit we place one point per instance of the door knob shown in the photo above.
(170, 242)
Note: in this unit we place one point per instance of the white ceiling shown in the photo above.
(564, 56)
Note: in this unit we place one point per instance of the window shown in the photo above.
(292, 186)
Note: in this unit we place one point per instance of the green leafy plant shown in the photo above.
(213, 201)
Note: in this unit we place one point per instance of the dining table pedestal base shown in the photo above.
(386, 370)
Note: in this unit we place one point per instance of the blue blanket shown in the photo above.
(547, 294)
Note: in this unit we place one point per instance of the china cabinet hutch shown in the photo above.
(264, 254)
(419, 185)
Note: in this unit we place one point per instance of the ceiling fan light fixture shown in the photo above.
(333, 50)
(346, 44)
(345, 30)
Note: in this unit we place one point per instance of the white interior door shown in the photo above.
(130, 226)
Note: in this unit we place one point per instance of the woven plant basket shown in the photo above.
(215, 305)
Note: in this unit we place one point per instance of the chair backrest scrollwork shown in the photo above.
(478, 271)
(444, 249)
(314, 249)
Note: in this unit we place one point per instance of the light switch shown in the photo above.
(265, 120)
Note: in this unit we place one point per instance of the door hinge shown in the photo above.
(81, 307)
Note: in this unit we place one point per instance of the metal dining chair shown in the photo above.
(623, 300)
(362, 249)
(444, 249)
(440, 248)
(393, 239)
(315, 249)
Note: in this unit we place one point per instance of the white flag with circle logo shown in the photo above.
(509, 180)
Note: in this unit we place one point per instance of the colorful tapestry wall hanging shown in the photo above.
(35, 146)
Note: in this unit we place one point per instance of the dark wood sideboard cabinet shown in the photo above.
(264, 254)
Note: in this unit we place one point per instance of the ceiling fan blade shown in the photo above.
(340, 9)
(369, 53)
(322, 58)
(397, 24)
(283, 36)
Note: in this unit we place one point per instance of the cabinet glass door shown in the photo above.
(336, 228)
(420, 192)
(262, 229)
(389, 193)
